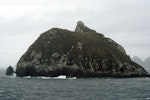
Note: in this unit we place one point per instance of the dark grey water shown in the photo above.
(74, 89)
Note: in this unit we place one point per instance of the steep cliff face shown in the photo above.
(82, 53)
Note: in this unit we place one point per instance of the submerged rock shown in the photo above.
(82, 53)
(9, 71)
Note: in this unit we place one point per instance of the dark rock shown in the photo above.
(83, 53)
(9, 71)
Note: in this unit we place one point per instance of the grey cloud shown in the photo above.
(125, 21)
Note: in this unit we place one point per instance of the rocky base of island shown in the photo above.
(78, 73)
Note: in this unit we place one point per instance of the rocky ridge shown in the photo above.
(82, 53)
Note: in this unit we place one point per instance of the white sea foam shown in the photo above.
(14, 74)
(58, 77)
(72, 78)
(63, 77)
(148, 98)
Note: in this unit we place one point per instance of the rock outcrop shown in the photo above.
(82, 53)
(9, 71)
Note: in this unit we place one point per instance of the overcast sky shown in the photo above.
(22, 21)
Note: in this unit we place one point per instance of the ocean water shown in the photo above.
(42, 88)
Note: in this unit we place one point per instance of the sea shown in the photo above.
(62, 88)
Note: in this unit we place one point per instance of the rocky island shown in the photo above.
(81, 53)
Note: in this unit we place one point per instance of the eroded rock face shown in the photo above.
(83, 53)
(116, 45)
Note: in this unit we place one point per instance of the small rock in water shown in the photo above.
(9, 71)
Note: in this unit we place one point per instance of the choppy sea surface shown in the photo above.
(42, 88)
